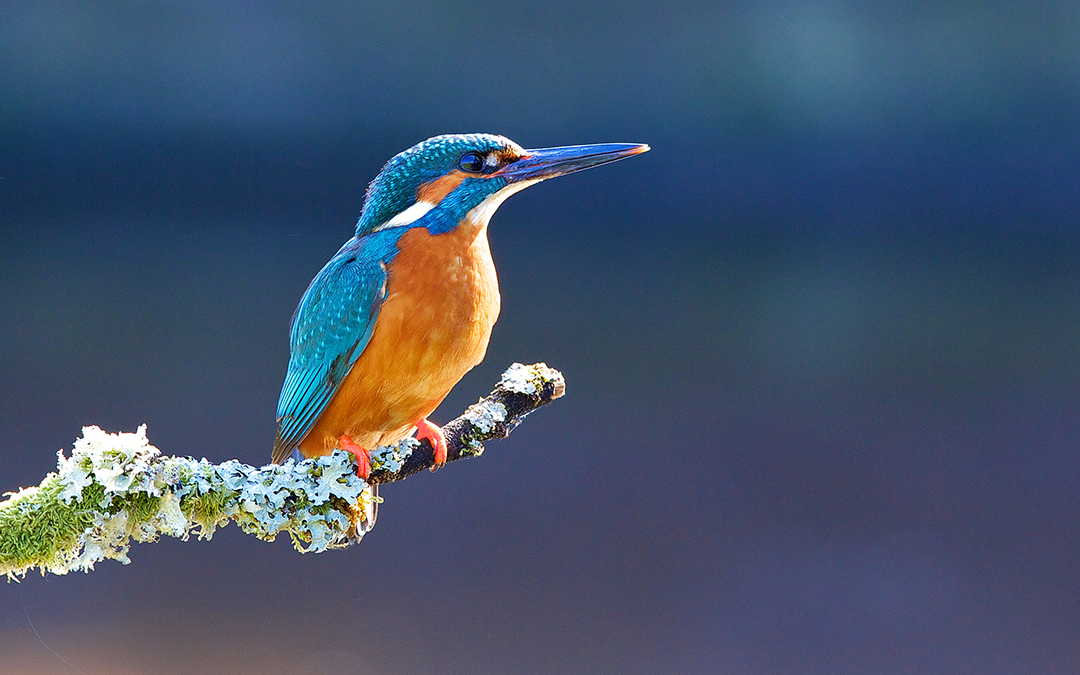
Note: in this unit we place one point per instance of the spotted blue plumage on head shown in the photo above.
(395, 188)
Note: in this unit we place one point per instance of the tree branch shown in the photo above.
(118, 487)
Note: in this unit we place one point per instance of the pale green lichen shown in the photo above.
(520, 378)
(392, 458)
(484, 416)
(530, 380)
(118, 487)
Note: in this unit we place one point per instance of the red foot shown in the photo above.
(363, 459)
(434, 434)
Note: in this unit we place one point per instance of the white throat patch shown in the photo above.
(482, 212)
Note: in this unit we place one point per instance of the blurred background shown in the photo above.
(821, 343)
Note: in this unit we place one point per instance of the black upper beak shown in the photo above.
(549, 162)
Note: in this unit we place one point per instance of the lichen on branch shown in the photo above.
(117, 487)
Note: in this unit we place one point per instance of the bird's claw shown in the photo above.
(435, 436)
(363, 459)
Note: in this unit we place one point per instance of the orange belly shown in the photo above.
(433, 327)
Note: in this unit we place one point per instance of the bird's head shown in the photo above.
(446, 179)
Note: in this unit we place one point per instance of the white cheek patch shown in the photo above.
(482, 212)
(408, 216)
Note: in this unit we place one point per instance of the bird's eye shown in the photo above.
(471, 162)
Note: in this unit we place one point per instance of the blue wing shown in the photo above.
(330, 329)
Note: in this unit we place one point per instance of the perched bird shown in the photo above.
(405, 308)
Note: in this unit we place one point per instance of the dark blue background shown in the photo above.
(821, 343)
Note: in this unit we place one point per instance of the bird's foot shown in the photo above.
(363, 459)
(434, 434)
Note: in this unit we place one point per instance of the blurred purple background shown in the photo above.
(822, 343)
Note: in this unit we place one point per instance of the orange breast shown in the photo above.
(442, 301)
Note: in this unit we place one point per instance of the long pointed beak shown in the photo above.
(550, 162)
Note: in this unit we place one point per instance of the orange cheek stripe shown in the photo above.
(434, 191)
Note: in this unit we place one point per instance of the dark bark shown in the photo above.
(465, 435)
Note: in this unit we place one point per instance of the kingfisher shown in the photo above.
(406, 306)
